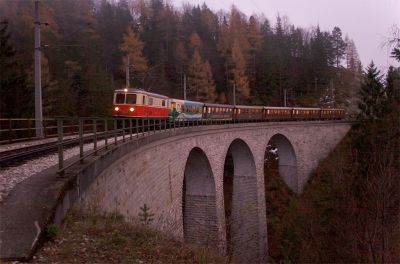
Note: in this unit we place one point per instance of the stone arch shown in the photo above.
(241, 204)
(198, 200)
(287, 160)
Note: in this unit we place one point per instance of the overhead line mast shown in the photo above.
(38, 72)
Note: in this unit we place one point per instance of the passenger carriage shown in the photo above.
(306, 113)
(217, 111)
(252, 113)
(328, 113)
(277, 113)
(185, 110)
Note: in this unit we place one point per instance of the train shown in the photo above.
(140, 104)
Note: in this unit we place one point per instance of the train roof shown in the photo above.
(176, 100)
(217, 105)
(331, 108)
(307, 108)
(186, 102)
(249, 106)
(277, 107)
(134, 90)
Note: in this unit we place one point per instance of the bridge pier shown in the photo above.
(198, 201)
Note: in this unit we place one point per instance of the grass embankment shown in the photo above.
(95, 238)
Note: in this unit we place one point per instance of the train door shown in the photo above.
(204, 114)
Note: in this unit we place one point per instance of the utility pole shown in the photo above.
(184, 86)
(315, 84)
(127, 72)
(38, 73)
(234, 93)
(332, 95)
(284, 98)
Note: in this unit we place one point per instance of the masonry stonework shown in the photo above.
(153, 174)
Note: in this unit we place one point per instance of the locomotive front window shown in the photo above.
(131, 98)
(120, 98)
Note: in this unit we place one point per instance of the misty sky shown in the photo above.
(368, 22)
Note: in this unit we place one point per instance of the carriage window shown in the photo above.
(163, 102)
(150, 101)
(209, 110)
(120, 98)
(131, 98)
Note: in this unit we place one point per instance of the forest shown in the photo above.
(86, 43)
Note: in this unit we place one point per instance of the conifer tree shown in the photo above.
(255, 39)
(352, 57)
(240, 77)
(393, 90)
(372, 94)
(132, 46)
(201, 84)
(396, 53)
(16, 94)
(338, 45)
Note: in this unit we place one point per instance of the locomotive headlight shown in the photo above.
(125, 90)
(131, 109)
(116, 108)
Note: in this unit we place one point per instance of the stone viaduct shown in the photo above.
(182, 178)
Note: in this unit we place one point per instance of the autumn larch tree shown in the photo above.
(132, 46)
(201, 84)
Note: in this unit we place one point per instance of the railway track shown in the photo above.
(15, 156)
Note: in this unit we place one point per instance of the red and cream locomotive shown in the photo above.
(137, 103)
